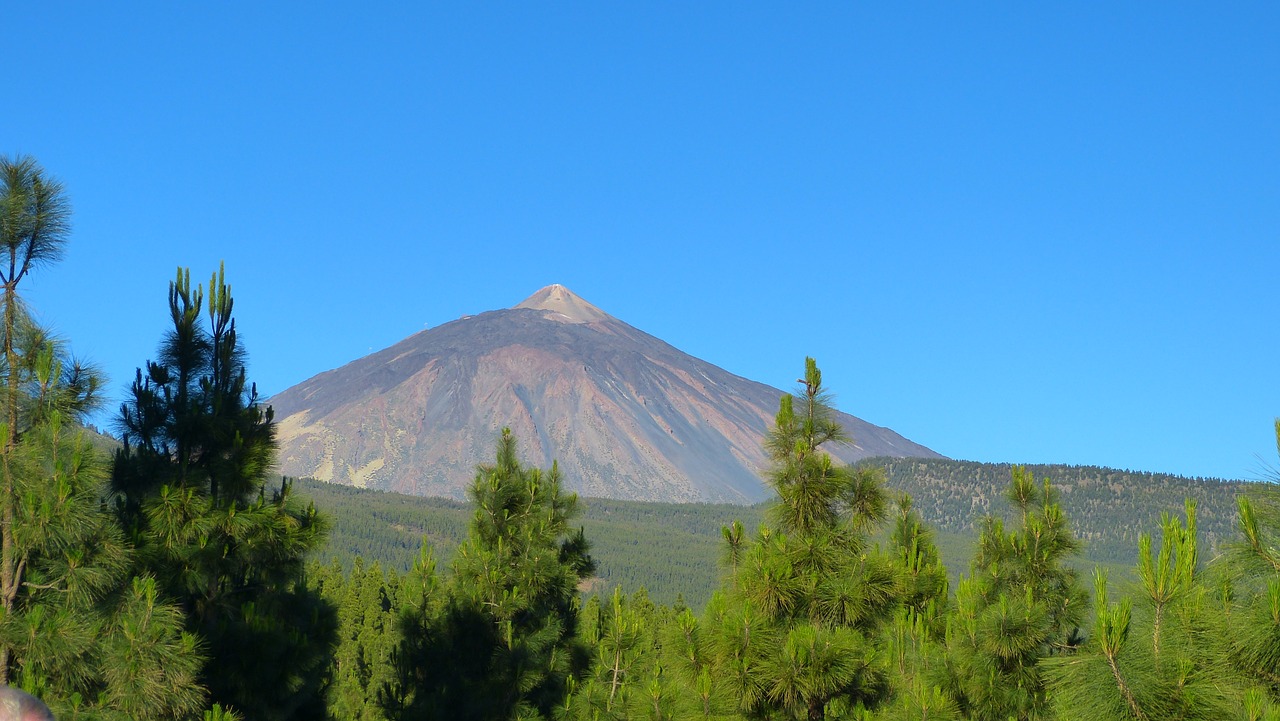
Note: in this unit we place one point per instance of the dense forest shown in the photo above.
(174, 577)
(673, 550)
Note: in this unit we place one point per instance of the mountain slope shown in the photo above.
(626, 415)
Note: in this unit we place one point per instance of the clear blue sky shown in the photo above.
(1016, 232)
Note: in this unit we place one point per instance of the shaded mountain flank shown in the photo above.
(625, 415)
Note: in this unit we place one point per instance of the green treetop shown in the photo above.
(191, 483)
(1020, 604)
(793, 634)
(504, 644)
(75, 628)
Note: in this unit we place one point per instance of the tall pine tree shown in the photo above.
(1020, 604)
(794, 634)
(192, 483)
(504, 645)
(34, 223)
(75, 628)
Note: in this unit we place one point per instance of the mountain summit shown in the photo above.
(624, 414)
(564, 305)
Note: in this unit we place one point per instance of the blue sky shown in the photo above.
(1017, 232)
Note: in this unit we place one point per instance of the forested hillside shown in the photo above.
(673, 550)
(670, 549)
(1109, 508)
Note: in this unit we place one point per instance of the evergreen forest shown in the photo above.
(172, 575)
(673, 550)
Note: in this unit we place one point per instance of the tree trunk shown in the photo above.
(9, 580)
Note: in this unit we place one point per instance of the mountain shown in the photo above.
(624, 414)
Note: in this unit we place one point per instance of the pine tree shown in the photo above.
(620, 635)
(1249, 579)
(76, 629)
(794, 633)
(504, 645)
(925, 595)
(84, 634)
(1020, 604)
(362, 661)
(193, 420)
(34, 223)
(702, 691)
(1193, 642)
(420, 653)
(191, 482)
(915, 637)
(1150, 660)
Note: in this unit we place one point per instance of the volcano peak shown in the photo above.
(564, 304)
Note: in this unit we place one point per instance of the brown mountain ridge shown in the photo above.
(624, 414)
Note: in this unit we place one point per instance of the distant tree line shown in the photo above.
(172, 580)
(1109, 508)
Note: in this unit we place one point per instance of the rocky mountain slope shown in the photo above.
(624, 414)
